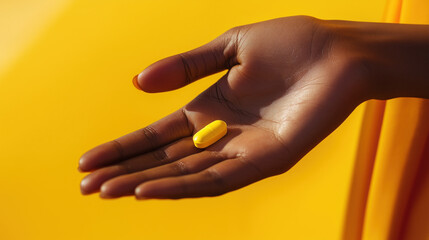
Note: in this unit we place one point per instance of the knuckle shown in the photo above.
(160, 156)
(119, 148)
(232, 31)
(180, 168)
(190, 72)
(150, 135)
(231, 45)
(217, 155)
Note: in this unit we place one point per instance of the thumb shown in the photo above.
(182, 69)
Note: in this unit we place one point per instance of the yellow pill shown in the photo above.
(210, 134)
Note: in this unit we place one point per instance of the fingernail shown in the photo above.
(136, 83)
(83, 186)
(80, 164)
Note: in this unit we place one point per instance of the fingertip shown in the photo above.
(181, 69)
(138, 192)
(164, 75)
(84, 186)
(155, 189)
(82, 166)
(86, 160)
(99, 156)
(115, 188)
(107, 192)
(141, 192)
(136, 82)
(95, 181)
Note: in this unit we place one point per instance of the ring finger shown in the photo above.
(125, 184)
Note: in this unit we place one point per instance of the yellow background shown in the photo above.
(65, 86)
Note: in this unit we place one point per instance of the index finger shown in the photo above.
(160, 133)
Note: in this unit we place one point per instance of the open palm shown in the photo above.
(290, 83)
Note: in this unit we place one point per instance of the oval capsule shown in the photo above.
(210, 134)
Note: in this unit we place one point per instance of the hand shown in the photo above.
(290, 83)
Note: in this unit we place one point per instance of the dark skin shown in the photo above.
(290, 83)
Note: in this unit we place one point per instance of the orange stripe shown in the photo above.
(416, 216)
(367, 149)
(392, 11)
(397, 202)
(362, 170)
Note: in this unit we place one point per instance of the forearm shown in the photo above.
(396, 56)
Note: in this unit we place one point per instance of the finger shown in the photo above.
(179, 70)
(158, 134)
(164, 155)
(126, 184)
(221, 178)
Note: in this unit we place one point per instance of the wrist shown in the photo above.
(395, 57)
